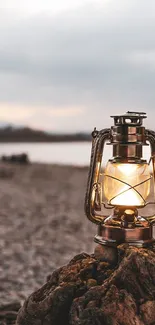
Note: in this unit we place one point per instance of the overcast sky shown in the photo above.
(67, 65)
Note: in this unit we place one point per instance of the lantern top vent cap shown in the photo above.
(130, 118)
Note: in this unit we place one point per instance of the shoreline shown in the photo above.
(77, 153)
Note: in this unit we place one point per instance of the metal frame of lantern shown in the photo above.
(127, 136)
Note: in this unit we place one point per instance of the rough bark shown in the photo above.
(91, 291)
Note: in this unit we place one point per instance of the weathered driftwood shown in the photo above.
(91, 291)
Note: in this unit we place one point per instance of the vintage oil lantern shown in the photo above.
(124, 185)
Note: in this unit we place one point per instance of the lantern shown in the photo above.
(124, 185)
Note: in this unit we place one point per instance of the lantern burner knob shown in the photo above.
(129, 218)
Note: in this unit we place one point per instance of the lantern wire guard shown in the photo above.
(127, 137)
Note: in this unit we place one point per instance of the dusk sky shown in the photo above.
(67, 65)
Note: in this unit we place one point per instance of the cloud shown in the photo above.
(143, 59)
(13, 113)
(33, 7)
(65, 112)
(98, 59)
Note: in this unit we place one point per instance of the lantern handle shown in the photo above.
(98, 142)
(150, 137)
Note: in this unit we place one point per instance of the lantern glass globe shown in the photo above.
(126, 184)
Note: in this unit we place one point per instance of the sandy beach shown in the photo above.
(42, 224)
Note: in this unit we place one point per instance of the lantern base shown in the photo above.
(114, 236)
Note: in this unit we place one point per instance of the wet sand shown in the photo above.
(42, 224)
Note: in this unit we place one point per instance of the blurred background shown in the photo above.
(65, 67)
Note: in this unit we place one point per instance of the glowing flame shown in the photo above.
(129, 198)
(127, 169)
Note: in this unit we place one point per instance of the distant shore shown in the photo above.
(10, 134)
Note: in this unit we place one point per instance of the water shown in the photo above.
(77, 153)
(72, 153)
